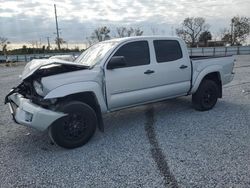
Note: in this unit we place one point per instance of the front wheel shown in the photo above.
(76, 128)
(206, 96)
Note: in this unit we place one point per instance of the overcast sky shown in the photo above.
(30, 20)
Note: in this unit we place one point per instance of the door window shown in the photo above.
(167, 50)
(135, 53)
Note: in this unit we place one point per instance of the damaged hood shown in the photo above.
(37, 64)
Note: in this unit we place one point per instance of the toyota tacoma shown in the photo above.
(68, 99)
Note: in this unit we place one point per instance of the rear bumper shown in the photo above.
(26, 113)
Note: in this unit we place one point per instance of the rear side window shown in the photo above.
(135, 53)
(167, 50)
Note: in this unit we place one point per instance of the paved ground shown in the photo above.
(167, 144)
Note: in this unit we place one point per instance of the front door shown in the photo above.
(125, 86)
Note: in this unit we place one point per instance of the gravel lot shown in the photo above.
(167, 144)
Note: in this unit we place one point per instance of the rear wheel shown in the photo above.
(76, 128)
(206, 96)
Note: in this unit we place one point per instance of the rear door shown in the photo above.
(172, 68)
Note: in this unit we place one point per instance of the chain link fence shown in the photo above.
(201, 51)
(219, 51)
(29, 57)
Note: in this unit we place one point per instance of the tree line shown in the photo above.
(193, 30)
(104, 33)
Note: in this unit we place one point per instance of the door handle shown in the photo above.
(149, 72)
(183, 66)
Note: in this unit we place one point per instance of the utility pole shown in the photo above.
(48, 43)
(232, 32)
(57, 32)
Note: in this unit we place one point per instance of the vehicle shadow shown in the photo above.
(26, 139)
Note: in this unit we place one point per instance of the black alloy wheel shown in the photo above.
(76, 128)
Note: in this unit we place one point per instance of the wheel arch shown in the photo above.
(90, 99)
(79, 87)
(210, 74)
(87, 92)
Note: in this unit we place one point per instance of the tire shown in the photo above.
(206, 96)
(75, 129)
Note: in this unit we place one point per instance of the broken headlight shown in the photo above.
(38, 88)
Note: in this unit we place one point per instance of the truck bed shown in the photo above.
(207, 57)
(222, 64)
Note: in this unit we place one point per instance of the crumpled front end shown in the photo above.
(26, 101)
(28, 113)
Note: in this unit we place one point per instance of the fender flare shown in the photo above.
(203, 73)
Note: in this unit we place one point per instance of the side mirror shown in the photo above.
(116, 62)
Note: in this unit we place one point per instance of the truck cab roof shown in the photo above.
(143, 38)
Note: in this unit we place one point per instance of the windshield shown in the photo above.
(95, 54)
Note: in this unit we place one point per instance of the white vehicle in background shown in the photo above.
(63, 57)
(69, 98)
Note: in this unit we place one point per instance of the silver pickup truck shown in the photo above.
(69, 98)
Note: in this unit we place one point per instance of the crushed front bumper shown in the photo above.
(26, 113)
